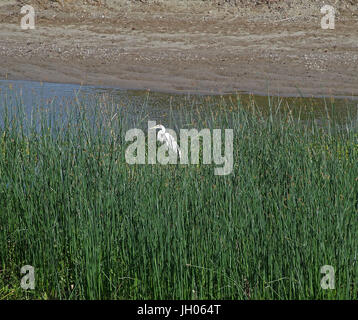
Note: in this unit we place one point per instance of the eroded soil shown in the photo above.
(216, 48)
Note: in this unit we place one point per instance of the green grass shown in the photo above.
(95, 227)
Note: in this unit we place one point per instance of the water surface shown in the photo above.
(169, 109)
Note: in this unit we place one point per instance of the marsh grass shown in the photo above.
(95, 227)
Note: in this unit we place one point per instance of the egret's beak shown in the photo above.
(155, 127)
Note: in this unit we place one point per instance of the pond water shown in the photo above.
(169, 109)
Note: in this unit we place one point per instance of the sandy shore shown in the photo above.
(162, 47)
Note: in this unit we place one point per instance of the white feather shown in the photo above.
(167, 138)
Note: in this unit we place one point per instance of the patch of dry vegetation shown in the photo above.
(66, 10)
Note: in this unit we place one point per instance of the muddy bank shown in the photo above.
(203, 47)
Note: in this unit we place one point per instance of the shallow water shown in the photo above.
(169, 109)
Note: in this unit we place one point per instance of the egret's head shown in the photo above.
(158, 126)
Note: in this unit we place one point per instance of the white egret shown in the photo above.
(166, 137)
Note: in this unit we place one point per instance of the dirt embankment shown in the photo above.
(185, 45)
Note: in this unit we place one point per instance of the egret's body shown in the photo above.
(167, 138)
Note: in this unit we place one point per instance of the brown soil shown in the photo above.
(185, 46)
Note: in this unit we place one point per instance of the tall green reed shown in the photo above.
(95, 227)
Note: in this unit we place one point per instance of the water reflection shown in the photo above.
(174, 110)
